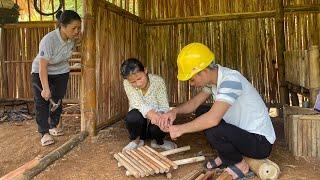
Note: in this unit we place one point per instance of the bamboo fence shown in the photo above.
(243, 35)
(119, 35)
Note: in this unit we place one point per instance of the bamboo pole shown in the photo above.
(88, 76)
(280, 42)
(35, 166)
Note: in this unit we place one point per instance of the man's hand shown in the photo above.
(46, 94)
(154, 117)
(167, 119)
(175, 131)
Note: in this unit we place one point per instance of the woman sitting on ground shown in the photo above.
(147, 97)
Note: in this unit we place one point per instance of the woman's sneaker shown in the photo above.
(167, 145)
(133, 145)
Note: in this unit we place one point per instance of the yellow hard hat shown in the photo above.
(192, 59)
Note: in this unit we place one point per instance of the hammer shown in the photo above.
(54, 105)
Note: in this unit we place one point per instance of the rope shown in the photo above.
(35, 2)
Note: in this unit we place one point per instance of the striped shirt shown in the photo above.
(154, 99)
(247, 111)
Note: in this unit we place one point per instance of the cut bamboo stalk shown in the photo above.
(147, 160)
(141, 172)
(171, 163)
(167, 165)
(189, 160)
(224, 176)
(264, 168)
(128, 166)
(174, 151)
(149, 169)
(159, 163)
(137, 164)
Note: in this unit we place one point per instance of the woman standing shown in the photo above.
(50, 73)
(147, 97)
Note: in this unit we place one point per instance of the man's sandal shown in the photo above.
(46, 140)
(56, 132)
(213, 164)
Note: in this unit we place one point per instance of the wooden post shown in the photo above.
(141, 8)
(88, 73)
(280, 44)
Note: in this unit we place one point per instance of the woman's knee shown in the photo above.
(134, 116)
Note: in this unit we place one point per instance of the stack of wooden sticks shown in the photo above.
(145, 161)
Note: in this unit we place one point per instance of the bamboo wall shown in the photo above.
(19, 46)
(119, 35)
(242, 34)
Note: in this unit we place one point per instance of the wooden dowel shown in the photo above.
(167, 165)
(163, 167)
(141, 172)
(137, 164)
(155, 168)
(189, 160)
(171, 163)
(124, 163)
(145, 166)
(174, 151)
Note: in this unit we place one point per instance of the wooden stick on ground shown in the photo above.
(34, 167)
(141, 172)
(167, 165)
(189, 160)
(163, 168)
(128, 166)
(146, 166)
(155, 168)
(171, 163)
(174, 151)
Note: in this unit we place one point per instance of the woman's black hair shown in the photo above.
(131, 66)
(66, 17)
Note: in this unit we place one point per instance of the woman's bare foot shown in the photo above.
(242, 166)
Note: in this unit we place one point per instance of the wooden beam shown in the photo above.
(88, 73)
(280, 48)
(210, 18)
(29, 24)
(302, 9)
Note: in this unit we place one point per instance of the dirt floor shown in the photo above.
(93, 158)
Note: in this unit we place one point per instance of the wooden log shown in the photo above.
(163, 167)
(133, 164)
(165, 159)
(88, 76)
(174, 151)
(153, 167)
(189, 160)
(146, 166)
(264, 168)
(127, 165)
(34, 167)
